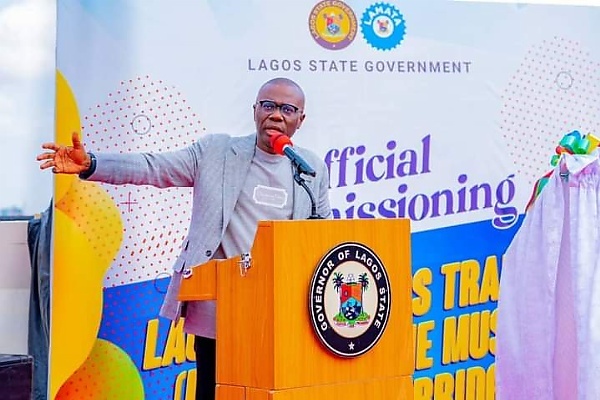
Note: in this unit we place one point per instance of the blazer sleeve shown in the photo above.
(166, 169)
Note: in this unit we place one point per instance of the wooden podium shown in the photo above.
(267, 342)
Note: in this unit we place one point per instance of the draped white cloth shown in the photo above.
(548, 333)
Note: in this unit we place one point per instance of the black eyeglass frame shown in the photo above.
(290, 113)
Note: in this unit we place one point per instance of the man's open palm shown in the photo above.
(65, 159)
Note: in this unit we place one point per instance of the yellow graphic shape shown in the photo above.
(96, 217)
(87, 235)
(67, 122)
(107, 374)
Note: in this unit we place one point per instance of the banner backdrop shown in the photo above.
(442, 112)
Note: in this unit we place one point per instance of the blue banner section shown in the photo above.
(159, 349)
(456, 270)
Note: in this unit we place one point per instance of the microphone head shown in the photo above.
(278, 143)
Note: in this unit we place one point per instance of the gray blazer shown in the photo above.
(216, 167)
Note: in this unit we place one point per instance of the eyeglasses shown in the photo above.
(269, 107)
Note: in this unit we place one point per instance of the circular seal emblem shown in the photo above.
(350, 299)
(332, 24)
(383, 26)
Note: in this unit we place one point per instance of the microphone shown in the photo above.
(282, 145)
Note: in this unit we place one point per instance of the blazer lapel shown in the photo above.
(237, 165)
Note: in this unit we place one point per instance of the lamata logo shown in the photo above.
(383, 26)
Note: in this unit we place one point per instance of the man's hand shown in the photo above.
(65, 159)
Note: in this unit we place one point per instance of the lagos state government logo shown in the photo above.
(332, 24)
(350, 299)
(382, 26)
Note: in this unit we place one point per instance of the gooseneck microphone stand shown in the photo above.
(301, 181)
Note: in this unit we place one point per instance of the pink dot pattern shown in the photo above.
(554, 91)
(144, 115)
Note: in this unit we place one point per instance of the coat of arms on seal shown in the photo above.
(350, 299)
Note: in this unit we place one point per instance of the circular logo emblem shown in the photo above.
(332, 24)
(383, 26)
(350, 299)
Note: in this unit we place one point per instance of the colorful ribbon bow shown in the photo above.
(574, 143)
(571, 143)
